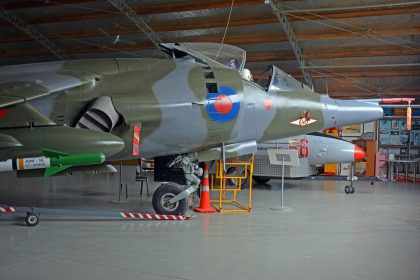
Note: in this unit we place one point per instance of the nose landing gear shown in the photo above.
(349, 189)
(161, 201)
(170, 199)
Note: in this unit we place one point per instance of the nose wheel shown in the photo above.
(31, 219)
(349, 189)
(161, 203)
(351, 178)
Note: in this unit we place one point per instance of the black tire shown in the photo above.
(352, 189)
(31, 219)
(231, 182)
(347, 189)
(260, 180)
(165, 193)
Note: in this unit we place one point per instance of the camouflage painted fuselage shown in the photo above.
(182, 106)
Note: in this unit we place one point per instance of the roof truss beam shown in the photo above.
(36, 4)
(366, 51)
(353, 74)
(137, 20)
(33, 33)
(297, 50)
(322, 34)
(393, 65)
(293, 15)
(234, 39)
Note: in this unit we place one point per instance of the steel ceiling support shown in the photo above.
(137, 20)
(362, 66)
(34, 33)
(353, 8)
(276, 6)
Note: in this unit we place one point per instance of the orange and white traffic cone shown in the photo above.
(205, 206)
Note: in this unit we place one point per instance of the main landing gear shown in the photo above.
(169, 199)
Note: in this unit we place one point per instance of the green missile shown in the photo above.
(60, 161)
(53, 162)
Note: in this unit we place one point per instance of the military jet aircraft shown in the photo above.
(313, 149)
(57, 115)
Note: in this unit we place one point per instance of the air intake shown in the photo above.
(101, 115)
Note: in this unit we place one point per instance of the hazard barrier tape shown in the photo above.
(7, 209)
(127, 215)
(153, 216)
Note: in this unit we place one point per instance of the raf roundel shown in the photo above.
(223, 106)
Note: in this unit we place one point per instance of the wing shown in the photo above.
(21, 83)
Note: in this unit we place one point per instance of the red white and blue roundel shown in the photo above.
(223, 106)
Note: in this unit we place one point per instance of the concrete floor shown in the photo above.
(372, 234)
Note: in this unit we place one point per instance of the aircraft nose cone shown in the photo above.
(359, 154)
(347, 112)
(354, 112)
(370, 111)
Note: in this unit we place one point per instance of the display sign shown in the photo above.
(394, 132)
(290, 157)
(352, 130)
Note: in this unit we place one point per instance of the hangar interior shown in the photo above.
(348, 210)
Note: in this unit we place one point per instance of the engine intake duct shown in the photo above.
(101, 115)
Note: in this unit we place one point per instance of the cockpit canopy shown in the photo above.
(211, 53)
(232, 57)
(275, 79)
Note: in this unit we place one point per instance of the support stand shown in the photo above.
(282, 207)
(289, 158)
(121, 187)
(242, 179)
(282, 183)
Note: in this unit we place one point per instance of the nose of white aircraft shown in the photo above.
(333, 150)
(347, 112)
(359, 153)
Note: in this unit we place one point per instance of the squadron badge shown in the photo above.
(304, 120)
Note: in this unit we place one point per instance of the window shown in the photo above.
(275, 79)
